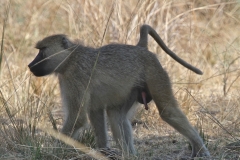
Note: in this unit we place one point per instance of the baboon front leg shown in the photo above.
(171, 113)
(98, 122)
(74, 120)
(75, 113)
(121, 129)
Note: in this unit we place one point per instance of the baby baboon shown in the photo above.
(110, 78)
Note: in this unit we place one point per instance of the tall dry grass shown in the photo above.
(204, 33)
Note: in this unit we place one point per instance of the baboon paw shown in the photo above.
(111, 153)
(202, 153)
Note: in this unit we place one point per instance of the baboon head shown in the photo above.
(52, 51)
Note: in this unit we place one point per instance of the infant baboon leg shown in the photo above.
(170, 112)
(97, 118)
(121, 129)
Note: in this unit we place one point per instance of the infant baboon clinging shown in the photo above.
(122, 73)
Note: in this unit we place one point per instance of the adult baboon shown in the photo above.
(109, 78)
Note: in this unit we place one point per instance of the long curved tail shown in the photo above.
(143, 42)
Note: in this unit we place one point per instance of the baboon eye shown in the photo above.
(65, 43)
(42, 51)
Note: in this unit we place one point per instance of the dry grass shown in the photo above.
(204, 33)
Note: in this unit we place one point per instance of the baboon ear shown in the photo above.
(65, 43)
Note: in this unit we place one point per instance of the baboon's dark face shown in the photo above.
(40, 65)
(52, 52)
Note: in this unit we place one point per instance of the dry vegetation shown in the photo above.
(205, 33)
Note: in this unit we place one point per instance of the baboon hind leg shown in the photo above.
(160, 89)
